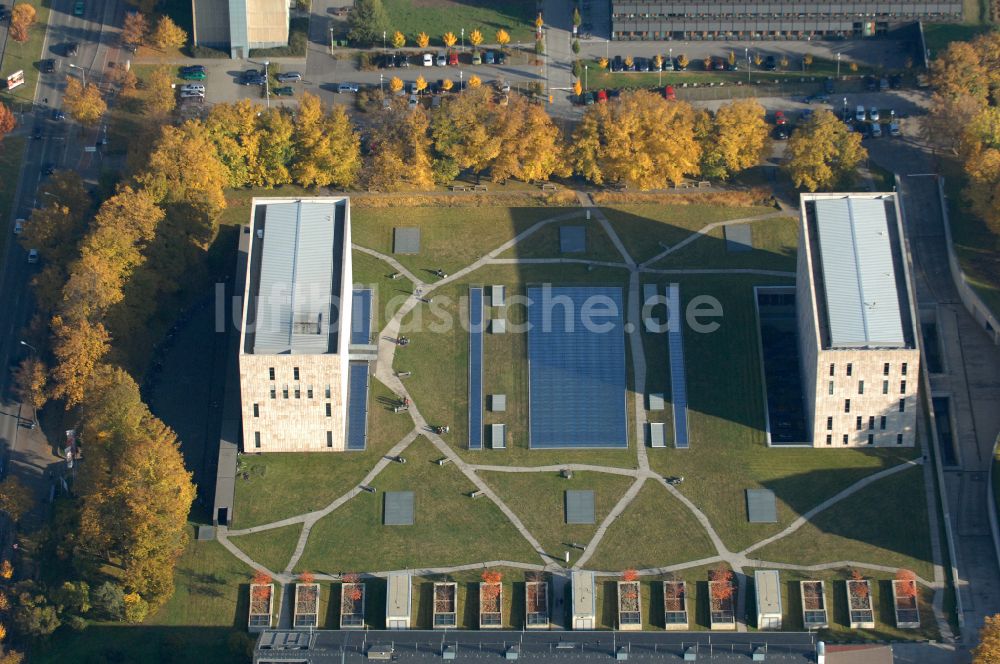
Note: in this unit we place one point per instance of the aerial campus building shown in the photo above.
(777, 19)
(236, 26)
(856, 322)
(294, 355)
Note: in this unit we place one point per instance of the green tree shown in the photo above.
(577, 19)
(367, 23)
(168, 34)
(108, 601)
(823, 154)
(32, 615)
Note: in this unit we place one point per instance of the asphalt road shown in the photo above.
(61, 144)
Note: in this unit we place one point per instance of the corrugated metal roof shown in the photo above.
(858, 274)
(296, 278)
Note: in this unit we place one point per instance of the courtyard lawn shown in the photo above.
(544, 243)
(270, 548)
(435, 17)
(646, 229)
(450, 528)
(655, 530)
(774, 241)
(451, 238)
(286, 484)
(728, 452)
(884, 523)
(437, 356)
(538, 499)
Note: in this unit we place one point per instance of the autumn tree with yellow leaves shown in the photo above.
(328, 149)
(823, 154)
(734, 139)
(398, 39)
(423, 40)
(988, 649)
(85, 104)
(167, 34)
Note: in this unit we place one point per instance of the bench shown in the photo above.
(548, 186)
(459, 187)
(704, 183)
(479, 187)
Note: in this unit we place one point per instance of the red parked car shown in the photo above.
(453, 59)
(668, 93)
(602, 95)
(779, 118)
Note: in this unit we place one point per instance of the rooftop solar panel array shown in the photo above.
(475, 368)
(357, 405)
(678, 379)
(576, 375)
(361, 316)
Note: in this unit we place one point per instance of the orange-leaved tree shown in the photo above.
(22, 17)
(907, 583)
(492, 579)
(307, 577)
(859, 589)
(449, 39)
(352, 579)
(722, 589)
(502, 37)
(988, 650)
(630, 575)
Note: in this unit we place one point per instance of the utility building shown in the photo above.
(236, 26)
(296, 326)
(856, 322)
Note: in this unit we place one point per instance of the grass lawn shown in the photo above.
(884, 523)
(645, 229)
(939, 35)
(450, 238)
(290, 483)
(435, 17)
(390, 294)
(655, 530)
(538, 499)
(775, 242)
(544, 243)
(450, 528)
(271, 548)
(727, 453)
(977, 247)
(438, 359)
(25, 56)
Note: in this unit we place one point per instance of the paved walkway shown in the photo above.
(642, 473)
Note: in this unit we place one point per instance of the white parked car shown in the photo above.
(33, 255)
(413, 103)
(428, 60)
(442, 59)
(193, 87)
(192, 94)
(346, 87)
(859, 115)
(874, 114)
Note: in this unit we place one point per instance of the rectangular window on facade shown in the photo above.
(274, 392)
(871, 423)
(329, 410)
(885, 387)
(329, 439)
(902, 369)
(845, 439)
(829, 424)
(850, 368)
(871, 439)
(295, 373)
(256, 439)
(899, 439)
(298, 392)
(885, 369)
(833, 367)
(829, 439)
(284, 392)
(309, 392)
(902, 387)
(847, 405)
(902, 405)
(270, 373)
(881, 424)
(861, 387)
(256, 410)
(327, 391)
(857, 424)
(830, 388)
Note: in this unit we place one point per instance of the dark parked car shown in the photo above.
(284, 91)
(501, 57)
(49, 168)
(489, 58)
(895, 81)
(57, 114)
(617, 63)
(48, 66)
(642, 64)
(781, 132)
(828, 86)
(252, 77)
(190, 68)
(72, 49)
(871, 83)
(770, 64)
(385, 61)
(37, 133)
(400, 60)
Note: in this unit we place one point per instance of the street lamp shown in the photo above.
(746, 54)
(267, 84)
(463, 39)
(838, 66)
(25, 343)
(845, 109)
(586, 69)
(461, 80)
(84, 71)
(383, 41)
(380, 84)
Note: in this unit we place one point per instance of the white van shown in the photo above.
(859, 115)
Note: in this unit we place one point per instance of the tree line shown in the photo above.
(965, 119)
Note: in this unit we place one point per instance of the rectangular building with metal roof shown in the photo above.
(856, 321)
(296, 325)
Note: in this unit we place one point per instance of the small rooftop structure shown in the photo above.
(498, 295)
(398, 508)
(655, 401)
(498, 325)
(738, 238)
(498, 436)
(583, 599)
(397, 600)
(761, 507)
(498, 403)
(767, 585)
(657, 434)
(572, 239)
(579, 507)
(406, 240)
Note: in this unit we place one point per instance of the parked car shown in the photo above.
(33, 255)
(781, 132)
(477, 58)
(643, 64)
(47, 66)
(883, 84)
(18, 226)
(489, 58)
(288, 77)
(400, 60)
(501, 58)
(386, 61)
(718, 64)
(668, 93)
(871, 84)
(873, 113)
(503, 86)
(413, 103)
(859, 113)
(453, 59)
(602, 96)
(72, 49)
(895, 81)
(770, 64)
(193, 87)
(668, 64)
(428, 60)
(876, 130)
(588, 99)
(252, 77)
(616, 63)
(828, 86)
(678, 65)
(192, 68)
(779, 118)
(442, 59)
(78, 8)
(283, 91)
(49, 168)
(894, 128)
(816, 99)
(58, 114)
(194, 75)
(435, 102)
(806, 115)
(346, 87)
